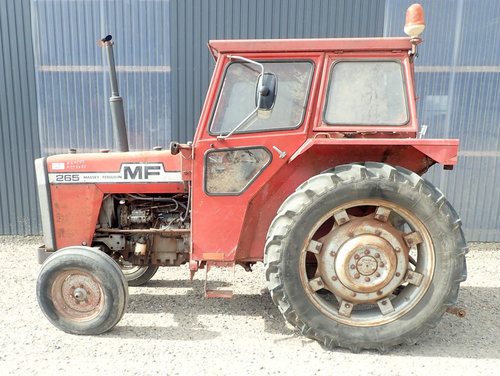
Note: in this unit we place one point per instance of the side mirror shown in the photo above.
(265, 93)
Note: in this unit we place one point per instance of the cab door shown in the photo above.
(238, 150)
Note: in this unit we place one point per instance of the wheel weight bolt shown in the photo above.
(398, 274)
(334, 278)
(379, 292)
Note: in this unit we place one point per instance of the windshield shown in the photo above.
(237, 97)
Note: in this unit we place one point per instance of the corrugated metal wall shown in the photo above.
(72, 79)
(165, 68)
(458, 82)
(19, 143)
(194, 22)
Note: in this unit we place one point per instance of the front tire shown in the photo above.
(82, 291)
(365, 257)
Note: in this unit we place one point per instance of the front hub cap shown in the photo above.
(363, 261)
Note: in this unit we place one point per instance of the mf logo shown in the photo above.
(141, 171)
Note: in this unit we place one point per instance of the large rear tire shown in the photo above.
(82, 291)
(365, 257)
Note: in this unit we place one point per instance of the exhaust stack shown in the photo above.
(115, 101)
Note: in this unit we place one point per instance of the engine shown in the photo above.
(145, 229)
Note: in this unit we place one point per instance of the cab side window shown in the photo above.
(366, 92)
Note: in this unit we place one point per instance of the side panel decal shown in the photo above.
(129, 173)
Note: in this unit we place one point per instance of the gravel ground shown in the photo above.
(171, 329)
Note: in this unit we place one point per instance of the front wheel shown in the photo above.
(365, 257)
(82, 291)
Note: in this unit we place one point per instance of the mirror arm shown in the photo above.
(222, 138)
(234, 57)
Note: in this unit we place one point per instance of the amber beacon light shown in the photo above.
(414, 24)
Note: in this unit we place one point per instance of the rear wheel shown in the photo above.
(137, 275)
(82, 291)
(365, 257)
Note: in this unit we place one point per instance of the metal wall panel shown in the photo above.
(194, 22)
(458, 75)
(72, 79)
(19, 142)
(458, 81)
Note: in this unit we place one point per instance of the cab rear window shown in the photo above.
(366, 92)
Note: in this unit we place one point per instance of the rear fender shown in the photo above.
(415, 154)
(318, 155)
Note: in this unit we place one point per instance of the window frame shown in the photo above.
(263, 60)
(329, 78)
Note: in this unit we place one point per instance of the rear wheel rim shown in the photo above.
(367, 262)
(130, 271)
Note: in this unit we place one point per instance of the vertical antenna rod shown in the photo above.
(115, 101)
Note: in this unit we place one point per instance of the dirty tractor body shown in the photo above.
(307, 157)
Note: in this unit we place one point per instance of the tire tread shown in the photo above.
(311, 191)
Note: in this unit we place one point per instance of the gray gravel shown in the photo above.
(170, 328)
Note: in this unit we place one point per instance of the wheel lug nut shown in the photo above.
(334, 278)
(356, 257)
(367, 252)
(398, 274)
(332, 254)
(398, 249)
(377, 274)
(377, 255)
(353, 266)
(356, 275)
(378, 232)
(381, 264)
(367, 279)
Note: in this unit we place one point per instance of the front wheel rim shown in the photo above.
(77, 295)
(368, 269)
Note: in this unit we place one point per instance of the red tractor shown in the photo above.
(307, 157)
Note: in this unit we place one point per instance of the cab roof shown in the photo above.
(218, 47)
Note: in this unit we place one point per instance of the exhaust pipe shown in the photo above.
(115, 101)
